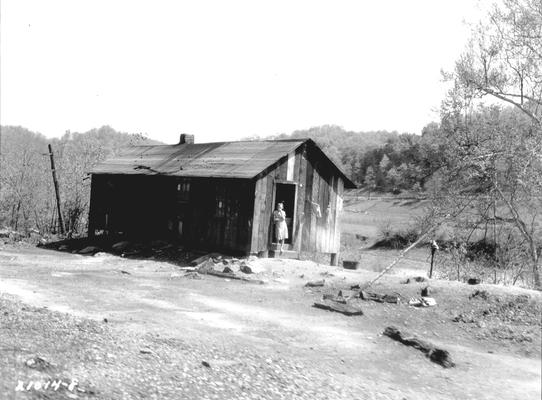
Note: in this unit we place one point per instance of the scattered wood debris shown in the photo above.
(416, 279)
(231, 276)
(319, 283)
(422, 302)
(203, 259)
(426, 291)
(380, 298)
(331, 297)
(439, 356)
(192, 275)
(345, 309)
(131, 253)
(207, 264)
(89, 250)
(245, 269)
(121, 246)
(348, 294)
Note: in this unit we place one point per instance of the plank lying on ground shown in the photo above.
(229, 275)
(435, 354)
(380, 298)
(332, 297)
(200, 260)
(345, 309)
(319, 283)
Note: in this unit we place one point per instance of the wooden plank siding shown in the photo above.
(305, 245)
(215, 215)
(231, 195)
(317, 185)
(313, 240)
(301, 173)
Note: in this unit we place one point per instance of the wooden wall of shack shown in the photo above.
(216, 213)
(318, 185)
(225, 214)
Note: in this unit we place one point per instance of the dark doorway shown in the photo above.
(285, 193)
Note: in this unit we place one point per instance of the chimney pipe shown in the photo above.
(186, 139)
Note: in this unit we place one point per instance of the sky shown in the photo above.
(224, 70)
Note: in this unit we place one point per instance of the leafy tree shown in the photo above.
(384, 163)
(504, 57)
(27, 199)
(370, 180)
(394, 177)
(496, 155)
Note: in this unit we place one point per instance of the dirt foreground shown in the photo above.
(137, 329)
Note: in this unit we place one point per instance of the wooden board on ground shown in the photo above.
(229, 275)
(345, 309)
(200, 260)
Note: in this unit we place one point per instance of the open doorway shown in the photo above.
(285, 193)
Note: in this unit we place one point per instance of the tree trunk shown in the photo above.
(536, 271)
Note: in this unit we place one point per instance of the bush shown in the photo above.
(396, 239)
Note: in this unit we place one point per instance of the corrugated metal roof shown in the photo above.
(244, 159)
(220, 160)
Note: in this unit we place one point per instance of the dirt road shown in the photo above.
(269, 332)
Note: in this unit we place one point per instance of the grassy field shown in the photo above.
(362, 222)
(365, 219)
(368, 216)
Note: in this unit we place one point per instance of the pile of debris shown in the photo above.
(28, 236)
(154, 250)
(226, 267)
(350, 297)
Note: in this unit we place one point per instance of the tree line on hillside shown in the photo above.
(380, 160)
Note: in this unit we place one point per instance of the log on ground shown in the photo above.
(435, 354)
(345, 309)
(229, 275)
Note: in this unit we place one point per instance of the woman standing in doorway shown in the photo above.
(281, 229)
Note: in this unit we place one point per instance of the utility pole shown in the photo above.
(57, 193)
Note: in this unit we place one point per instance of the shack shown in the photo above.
(221, 196)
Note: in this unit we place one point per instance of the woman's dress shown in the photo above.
(281, 229)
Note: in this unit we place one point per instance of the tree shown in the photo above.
(493, 154)
(394, 178)
(504, 57)
(494, 177)
(26, 186)
(370, 179)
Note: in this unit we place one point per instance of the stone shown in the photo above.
(245, 269)
(89, 250)
(121, 246)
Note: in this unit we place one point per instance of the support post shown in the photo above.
(57, 193)
(434, 248)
